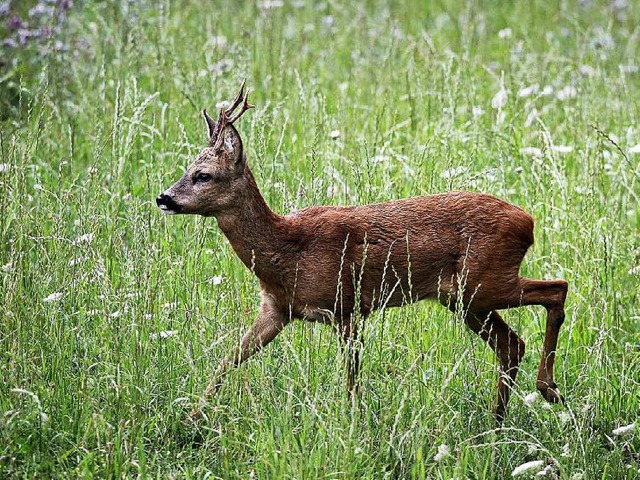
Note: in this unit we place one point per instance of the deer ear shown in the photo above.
(211, 124)
(231, 145)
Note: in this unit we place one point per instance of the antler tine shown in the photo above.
(237, 100)
(223, 121)
(224, 118)
(210, 123)
(245, 106)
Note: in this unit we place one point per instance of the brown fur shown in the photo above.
(337, 264)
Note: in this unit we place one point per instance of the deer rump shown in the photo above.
(394, 253)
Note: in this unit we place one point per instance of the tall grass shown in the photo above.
(113, 316)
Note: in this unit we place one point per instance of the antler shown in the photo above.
(226, 117)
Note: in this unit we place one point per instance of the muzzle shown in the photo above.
(167, 204)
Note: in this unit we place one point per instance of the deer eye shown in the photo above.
(203, 177)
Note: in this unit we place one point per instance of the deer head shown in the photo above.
(213, 182)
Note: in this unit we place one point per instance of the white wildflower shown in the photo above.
(533, 151)
(625, 429)
(528, 91)
(453, 172)
(222, 66)
(4, 167)
(530, 399)
(443, 451)
(75, 261)
(477, 111)
(635, 149)
(634, 271)
(527, 467)
(220, 41)
(43, 416)
(115, 314)
(587, 70)
(86, 238)
(619, 4)
(548, 470)
(566, 452)
(564, 417)
(163, 334)
(37, 186)
(602, 40)
(531, 117)
(217, 280)
(380, 159)
(334, 134)
(499, 100)
(335, 190)
(54, 297)
(546, 91)
(269, 4)
(7, 267)
(566, 93)
(327, 21)
(562, 148)
(629, 68)
(505, 33)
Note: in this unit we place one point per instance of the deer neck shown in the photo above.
(254, 231)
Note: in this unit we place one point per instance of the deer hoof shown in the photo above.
(194, 417)
(551, 393)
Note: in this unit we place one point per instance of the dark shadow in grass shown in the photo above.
(192, 430)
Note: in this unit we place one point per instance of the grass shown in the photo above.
(92, 272)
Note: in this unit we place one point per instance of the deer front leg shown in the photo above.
(266, 327)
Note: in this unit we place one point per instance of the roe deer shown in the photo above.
(336, 264)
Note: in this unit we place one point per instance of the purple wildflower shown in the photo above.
(14, 23)
(45, 31)
(40, 10)
(24, 35)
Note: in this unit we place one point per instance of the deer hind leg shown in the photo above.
(507, 345)
(351, 346)
(551, 294)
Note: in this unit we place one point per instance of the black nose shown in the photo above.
(167, 204)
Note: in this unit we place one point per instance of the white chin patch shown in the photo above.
(166, 210)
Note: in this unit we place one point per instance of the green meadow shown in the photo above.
(113, 315)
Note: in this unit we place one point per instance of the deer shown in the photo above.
(338, 264)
